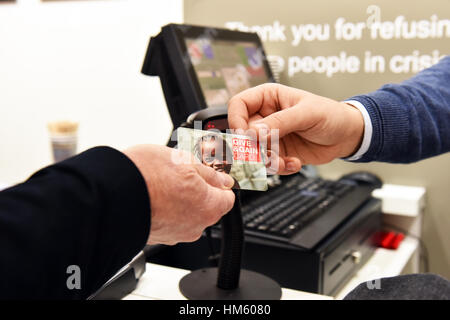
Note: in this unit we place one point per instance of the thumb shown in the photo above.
(212, 177)
(219, 201)
(288, 120)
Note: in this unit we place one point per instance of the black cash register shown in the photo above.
(307, 233)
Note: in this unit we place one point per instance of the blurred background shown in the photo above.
(81, 61)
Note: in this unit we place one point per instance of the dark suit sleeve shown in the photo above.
(91, 211)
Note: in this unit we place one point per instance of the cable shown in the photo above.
(423, 255)
(231, 247)
(214, 256)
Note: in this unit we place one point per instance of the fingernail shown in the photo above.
(227, 180)
(290, 166)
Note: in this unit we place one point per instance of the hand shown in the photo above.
(185, 197)
(312, 129)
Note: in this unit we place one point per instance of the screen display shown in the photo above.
(225, 68)
(219, 124)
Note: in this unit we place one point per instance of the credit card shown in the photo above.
(238, 155)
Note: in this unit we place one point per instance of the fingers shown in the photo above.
(291, 165)
(212, 177)
(220, 201)
(245, 104)
(272, 111)
(219, 198)
(264, 100)
(295, 118)
(283, 165)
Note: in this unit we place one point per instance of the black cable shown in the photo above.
(214, 256)
(423, 255)
(232, 247)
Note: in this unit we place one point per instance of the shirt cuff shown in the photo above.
(367, 138)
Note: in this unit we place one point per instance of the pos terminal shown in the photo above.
(227, 281)
(304, 230)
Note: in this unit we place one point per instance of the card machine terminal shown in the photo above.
(211, 118)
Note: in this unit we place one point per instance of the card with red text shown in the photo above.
(238, 155)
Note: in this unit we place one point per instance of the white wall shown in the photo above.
(78, 60)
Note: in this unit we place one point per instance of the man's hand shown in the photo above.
(312, 129)
(185, 197)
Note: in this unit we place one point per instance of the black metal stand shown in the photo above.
(229, 281)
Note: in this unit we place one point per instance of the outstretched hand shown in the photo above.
(312, 129)
(185, 196)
